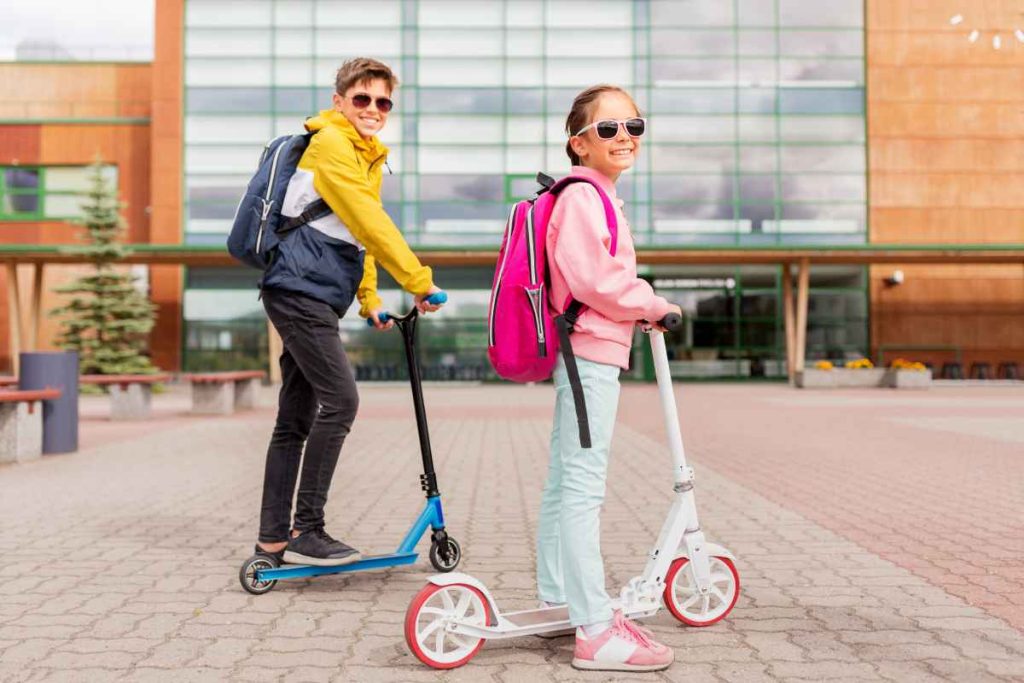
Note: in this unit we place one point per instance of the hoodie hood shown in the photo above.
(371, 149)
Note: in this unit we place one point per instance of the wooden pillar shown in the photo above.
(14, 331)
(788, 314)
(803, 285)
(275, 349)
(35, 312)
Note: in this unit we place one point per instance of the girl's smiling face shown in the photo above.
(609, 157)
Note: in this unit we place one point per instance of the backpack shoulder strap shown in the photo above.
(314, 210)
(609, 210)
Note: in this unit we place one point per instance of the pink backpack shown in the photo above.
(524, 333)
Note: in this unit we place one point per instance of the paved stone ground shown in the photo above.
(866, 525)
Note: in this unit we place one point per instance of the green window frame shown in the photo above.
(43, 195)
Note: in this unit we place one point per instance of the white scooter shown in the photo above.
(448, 621)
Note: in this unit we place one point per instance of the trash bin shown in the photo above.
(56, 370)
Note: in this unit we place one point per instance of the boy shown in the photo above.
(308, 287)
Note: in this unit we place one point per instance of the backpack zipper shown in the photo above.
(509, 225)
(268, 203)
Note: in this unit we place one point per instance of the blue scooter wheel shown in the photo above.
(248, 578)
(445, 556)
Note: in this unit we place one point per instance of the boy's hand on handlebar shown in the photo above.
(375, 319)
(425, 306)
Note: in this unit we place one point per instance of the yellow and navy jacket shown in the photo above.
(334, 258)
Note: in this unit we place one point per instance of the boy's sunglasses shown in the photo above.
(362, 101)
(607, 129)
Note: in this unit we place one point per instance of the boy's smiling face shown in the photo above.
(370, 119)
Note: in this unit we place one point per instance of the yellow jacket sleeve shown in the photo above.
(338, 178)
(367, 292)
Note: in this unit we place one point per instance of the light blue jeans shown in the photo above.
(569, 565)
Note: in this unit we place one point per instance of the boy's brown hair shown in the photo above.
(362, 69)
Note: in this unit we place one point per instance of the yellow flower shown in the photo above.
(823, 365)
(860, 363)
(904, 364)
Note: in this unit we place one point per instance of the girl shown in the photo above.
(605, 129)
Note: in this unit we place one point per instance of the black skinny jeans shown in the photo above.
(314, 372)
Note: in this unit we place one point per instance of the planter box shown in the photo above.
(908, 379)
(812, 378)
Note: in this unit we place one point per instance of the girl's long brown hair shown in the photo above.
(582, 106)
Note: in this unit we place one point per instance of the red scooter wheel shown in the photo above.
(686, 603)
(428, 616)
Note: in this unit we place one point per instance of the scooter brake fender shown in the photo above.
(454, 578)
(714, 550)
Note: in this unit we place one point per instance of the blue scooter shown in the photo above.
(261, 572)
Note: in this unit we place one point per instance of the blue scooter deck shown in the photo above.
(298, 571)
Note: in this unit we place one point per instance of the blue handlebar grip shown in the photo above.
(383, 317)
(437, 298)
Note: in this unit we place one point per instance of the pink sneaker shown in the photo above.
(625, 646)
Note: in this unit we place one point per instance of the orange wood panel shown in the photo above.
(32, 91)
(166, 282)
(946, 150)
(19, 144)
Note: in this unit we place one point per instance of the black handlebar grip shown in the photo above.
(671, 321)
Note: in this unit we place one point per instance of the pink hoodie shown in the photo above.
(580, 264)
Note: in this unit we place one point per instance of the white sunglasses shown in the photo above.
(607, 129)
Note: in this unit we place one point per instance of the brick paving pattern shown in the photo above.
(879, 537)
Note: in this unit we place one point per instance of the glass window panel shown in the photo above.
(452, 42)
(462, 187)
(227, 99)
(823, 188)
(226, 130)
(294, 72)
(216, 196)
(460, 159)
(709, 212)
(489, 212)
(760, 71)
(344, 42)
(294, 100)
(610, 13)
(757, 100)
(524, 159)
(720, 70)
(821, 101)
(220, 210)
(756, 12)
(469, 129)
(294, 42)
(75, 178)
(227, 72)
(293, 13)
(703, 13)
(524, 72)
(585, 72)
(460, 13)
(472, 72)
(223, 42)
(569, 43)
(758, 189)
(556, 128)
(812, 13)
(690, 100)
(560, 99)
(679, 42)
(757, 128)
(525, 101)
(524, 43)
(831, 128)
(391, 191)
(556, 160)
(757, 42)
(355, 13)
(475, 100)
(757, 214)
(691, 188)
(242, 12)
(222, 159)
(820, 69)
(698, 159)
(825, 212)
(391, 135)
(667, 128)
(832, 158)
(758, 159)
(822, 43)
(288, 125)
(524, 12)
(21, 179)
(63, 205)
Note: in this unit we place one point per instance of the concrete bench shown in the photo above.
(130, 395)
(221, 393)
(21, 425)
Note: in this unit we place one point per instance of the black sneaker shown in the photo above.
(279, 555)
(316, 547)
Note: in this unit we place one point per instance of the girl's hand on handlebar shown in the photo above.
(425, 306)
(647, 326)
(375, 319)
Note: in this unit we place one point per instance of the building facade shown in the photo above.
(772, 122)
